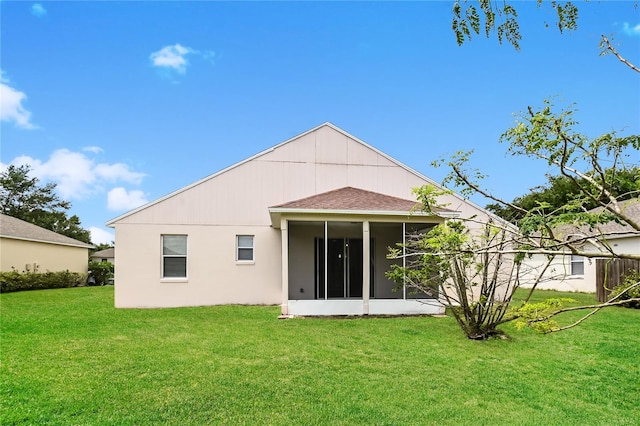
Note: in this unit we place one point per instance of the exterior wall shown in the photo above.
(48, 257)
(236, 201)
(100, 259)
(558, 276)
(317, 162)
(356, 307)
(213, 275)
(629, 245)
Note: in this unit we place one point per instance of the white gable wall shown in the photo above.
(235, 202)
(558, 275)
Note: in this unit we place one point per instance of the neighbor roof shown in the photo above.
(110, 252)
(630, 208)
(11, 227)
(611, 229)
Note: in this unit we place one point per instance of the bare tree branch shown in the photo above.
(607, 45)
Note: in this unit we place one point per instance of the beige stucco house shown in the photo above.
(30, 248)
(305, 224)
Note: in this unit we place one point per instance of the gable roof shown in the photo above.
(610, 230)
(631, 208)
(112, 222)
(11, 227)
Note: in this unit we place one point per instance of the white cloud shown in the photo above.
(172, 57)
(118, 172)
(77, 175)
(631, 31)
(38, 10)
(119, 199)
(100, 236)
(11, 108)
(93, 149)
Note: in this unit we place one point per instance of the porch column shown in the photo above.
(284, 235)
(366, 266)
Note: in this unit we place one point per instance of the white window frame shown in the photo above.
(246, 247)
(164, 256)
(576, 260)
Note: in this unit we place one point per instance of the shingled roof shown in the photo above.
(353, 199)
(610, 230)
(110, 252)
(11, 227)
(632, 209)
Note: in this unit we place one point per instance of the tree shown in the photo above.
(476, 283)
(560, 190)
(100, 273)
(24, 198)
(478, 262)
(101, 246)
(545, 135)
(501, 18)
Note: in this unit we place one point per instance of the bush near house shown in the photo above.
(19, 281)
(628, 293)
(102, 273)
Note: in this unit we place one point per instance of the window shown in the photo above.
(174, 256)
(244, 244)
(577, 265)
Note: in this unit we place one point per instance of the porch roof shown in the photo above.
(353, 201)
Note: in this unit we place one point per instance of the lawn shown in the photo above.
(70, 358)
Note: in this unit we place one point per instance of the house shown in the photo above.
(305, 224)
(106, 255)
(579, 273)
(30, 248)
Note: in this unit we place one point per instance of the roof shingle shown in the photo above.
(11, 227)
(349, 198)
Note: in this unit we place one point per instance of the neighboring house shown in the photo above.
(305, 224)
(106, 255)
(578, 273)
(30, 248)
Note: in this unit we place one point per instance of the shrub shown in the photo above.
(623, 288)
(19, 281)
(102, 272)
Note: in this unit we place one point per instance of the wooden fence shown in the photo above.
(610, 273)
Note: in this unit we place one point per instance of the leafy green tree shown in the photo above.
(501, 18)
(23, 197)
(101, 246)
(561, 190)
(581, 183)
(473, 280)
(478, 262)
(101, 272)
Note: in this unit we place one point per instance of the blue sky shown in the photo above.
(120, 103)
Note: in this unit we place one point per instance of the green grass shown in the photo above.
(70, 358)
